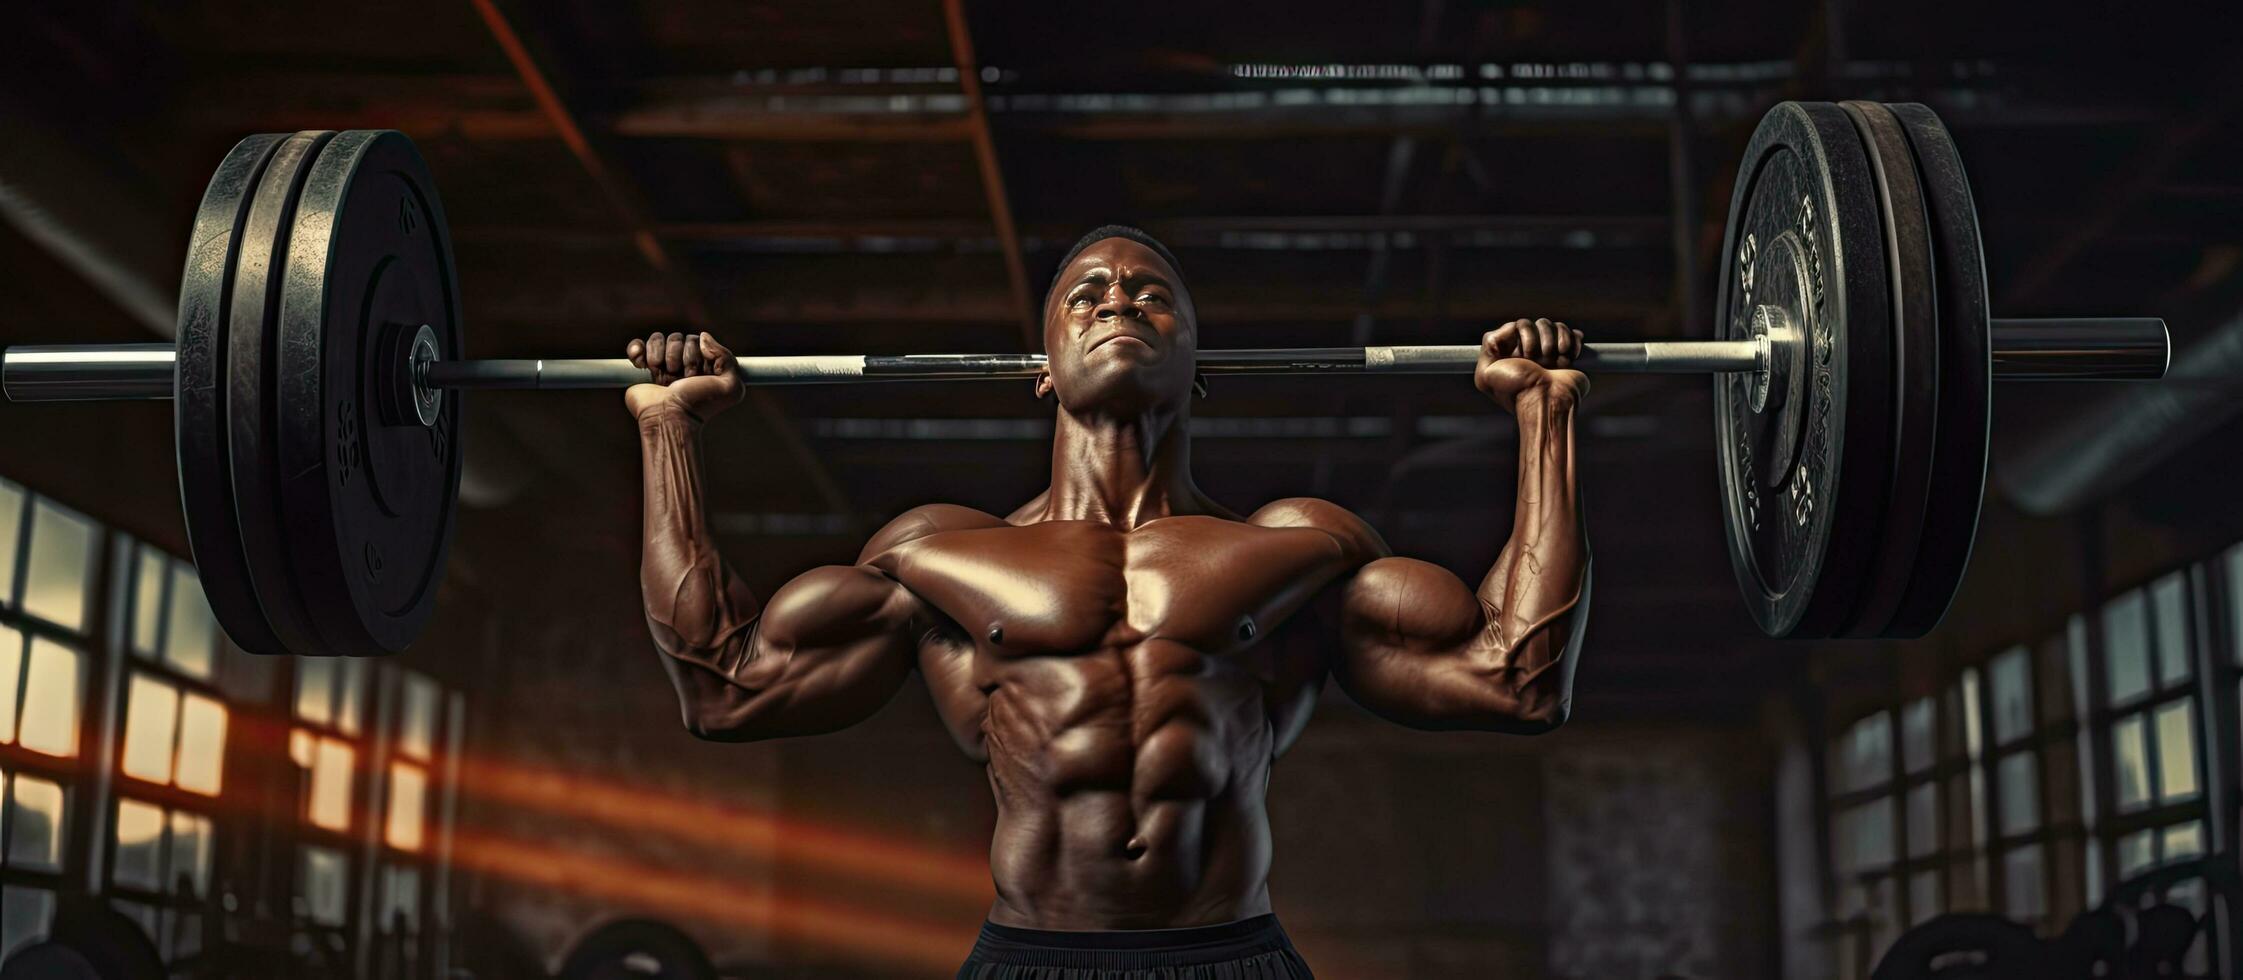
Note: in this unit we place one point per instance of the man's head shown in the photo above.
(1119, 332)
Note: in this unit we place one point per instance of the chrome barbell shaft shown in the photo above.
(2113, 348)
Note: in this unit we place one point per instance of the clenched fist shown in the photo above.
(692, 374)
(1529, 355)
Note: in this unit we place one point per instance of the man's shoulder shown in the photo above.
(921, 521)
(1355, 535)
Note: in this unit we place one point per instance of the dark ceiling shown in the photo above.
(817, 177)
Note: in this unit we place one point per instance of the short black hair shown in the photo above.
(1103, 232)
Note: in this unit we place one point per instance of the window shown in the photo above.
(35, 815)
(1893, 843)
(321, 891)
(172, 737)
(327, 763)
(12, 503)
(329, 704)
(40, 678)
(59, 573)
(2149, 708)
(48, 561)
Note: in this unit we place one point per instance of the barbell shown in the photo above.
(317, 373)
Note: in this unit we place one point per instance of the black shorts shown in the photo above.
(1249, 949)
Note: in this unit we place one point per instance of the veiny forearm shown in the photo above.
(700, 614)
(1534, 599)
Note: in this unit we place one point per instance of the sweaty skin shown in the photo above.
(1125, 656)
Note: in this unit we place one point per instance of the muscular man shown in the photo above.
(1125, 655)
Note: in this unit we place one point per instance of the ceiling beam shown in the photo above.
(2130, 182)
(495, 108)
(992, 173)
(1246, 232)
(624, 305)
(625, 201)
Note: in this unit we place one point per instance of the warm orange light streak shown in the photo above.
(732, 829)
(854, 932)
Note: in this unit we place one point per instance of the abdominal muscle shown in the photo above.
(1129, 788)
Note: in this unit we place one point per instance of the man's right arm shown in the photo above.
(831, 647)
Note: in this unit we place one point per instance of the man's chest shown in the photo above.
(1072, 586)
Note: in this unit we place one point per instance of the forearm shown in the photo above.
(1535, 597)
(698, 611)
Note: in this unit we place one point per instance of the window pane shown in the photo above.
(2235, 602)
(2176, 750)
(2135, 852)
(1923, 896)
(11, 532)
(302, 746)
(2130, 763)
(189, 873)
(191, 639)
(1865, 753)
(315, 689)
(2169, 602)
(54, 587)
(2011, 684)
(331, 776)
(2022, 891)
(202, 744)
(148, 598)
(408, 806)
(25, 914)
(2126, 661)
(151, 719)
(1923, 820)
(2183, 842)
(140, 845)
(49, 717)
(1916, 746)
(417, 727)
(325, 885)
(1865, 837)
(1973, 727)
(350, 690)
(35, 825)
(400, 900)
(11, 674)
(2020, 792)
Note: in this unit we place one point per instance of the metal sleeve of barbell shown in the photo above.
(86, 372)
(2081, 349)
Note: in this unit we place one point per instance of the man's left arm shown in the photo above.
(1420, 647)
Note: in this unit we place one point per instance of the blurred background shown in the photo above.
(514, 797)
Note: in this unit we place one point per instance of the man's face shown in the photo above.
(1119, 334)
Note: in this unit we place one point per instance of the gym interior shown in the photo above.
(2055, 765)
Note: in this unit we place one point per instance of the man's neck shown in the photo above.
(1122, 471)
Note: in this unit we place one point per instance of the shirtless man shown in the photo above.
(1125, 655)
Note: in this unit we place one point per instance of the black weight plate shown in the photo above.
(2001, 950)
(206, 483)
(253, 450)
(1803, 481)
(1966, 378)
(1908, 262)
(369, 505)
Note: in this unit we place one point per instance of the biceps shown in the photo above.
(1402, 604)
(1406, 629)
(830, 648)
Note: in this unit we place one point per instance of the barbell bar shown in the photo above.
(319, 337)
(2048, 349)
